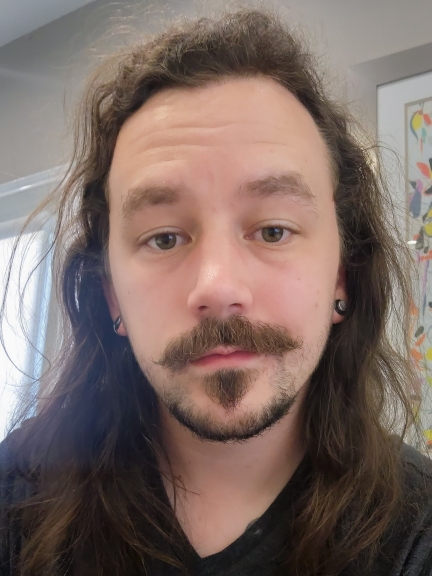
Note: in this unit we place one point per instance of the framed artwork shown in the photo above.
(418, 174)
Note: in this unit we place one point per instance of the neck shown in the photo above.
(203, 467)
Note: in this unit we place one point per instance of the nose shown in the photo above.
(223, 285)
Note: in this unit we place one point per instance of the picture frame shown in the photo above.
(418, 185)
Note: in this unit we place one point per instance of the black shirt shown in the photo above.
(406, 548)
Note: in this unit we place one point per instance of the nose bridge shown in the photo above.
(221, 279)
(219, 258)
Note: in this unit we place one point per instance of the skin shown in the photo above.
(210, 141)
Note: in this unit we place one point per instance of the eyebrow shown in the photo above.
(289, 184)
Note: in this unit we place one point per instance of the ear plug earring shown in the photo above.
(116, 324)
(341, 307)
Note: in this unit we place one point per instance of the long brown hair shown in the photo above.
(91, 448)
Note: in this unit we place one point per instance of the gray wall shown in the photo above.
(366, 41)
(42, 73)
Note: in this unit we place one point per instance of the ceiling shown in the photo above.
(350, 31)
(19, 17)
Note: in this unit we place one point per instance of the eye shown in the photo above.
(163, 241)
(273, 234)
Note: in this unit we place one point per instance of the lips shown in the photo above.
(222, 350)
(225, 357)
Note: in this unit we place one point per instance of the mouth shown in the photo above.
(225, 356)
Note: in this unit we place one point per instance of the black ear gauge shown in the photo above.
(341, 307)
(116, 324)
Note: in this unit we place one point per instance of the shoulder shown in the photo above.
(416, 479)
(416, 486)
(7, 460)
(14, 484)
(15, 488)
(407, 545)
(416, 464)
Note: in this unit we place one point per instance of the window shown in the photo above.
(24, 326)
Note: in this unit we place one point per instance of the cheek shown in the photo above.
(148, 307)
(301, 299)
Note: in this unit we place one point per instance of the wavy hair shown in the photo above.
(91, 448)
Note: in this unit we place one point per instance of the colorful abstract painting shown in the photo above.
(418, 170)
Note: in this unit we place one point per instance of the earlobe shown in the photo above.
(341, 300)
(114, 307)
(340, 308)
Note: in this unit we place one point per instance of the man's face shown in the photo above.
(223, 237)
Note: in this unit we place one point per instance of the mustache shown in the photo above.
(238, 331)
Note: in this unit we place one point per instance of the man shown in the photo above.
(222, 403)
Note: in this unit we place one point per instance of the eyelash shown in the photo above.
(145, 243)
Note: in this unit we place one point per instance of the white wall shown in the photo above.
(392, 99)
(21, 17)
(43, 72)
(391, 129)
(41, 75)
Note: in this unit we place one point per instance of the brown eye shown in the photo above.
(165, 241)
(272, 233)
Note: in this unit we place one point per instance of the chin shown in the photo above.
(235, 423)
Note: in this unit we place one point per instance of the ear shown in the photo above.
(113, 305)
(340, 293)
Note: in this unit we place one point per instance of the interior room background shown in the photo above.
(379, 53)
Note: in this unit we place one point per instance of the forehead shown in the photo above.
(251, 123)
